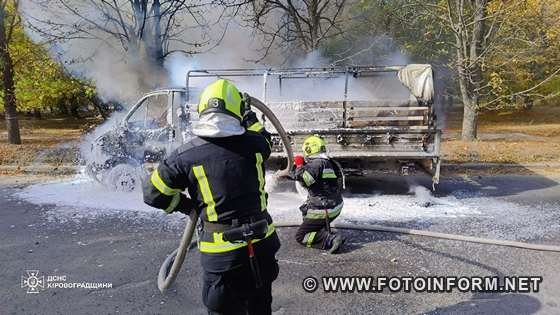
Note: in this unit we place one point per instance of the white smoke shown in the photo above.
(89, 48)
(177, 66)
(125, 75)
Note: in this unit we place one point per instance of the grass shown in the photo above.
(524, 136)
(456, 151)
(53, 141)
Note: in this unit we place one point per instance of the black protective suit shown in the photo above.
(323, 179)
(225, 179)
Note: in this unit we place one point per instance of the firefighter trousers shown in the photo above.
(314, 233)
(234, 292)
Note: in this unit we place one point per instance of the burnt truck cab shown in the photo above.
(155, 125)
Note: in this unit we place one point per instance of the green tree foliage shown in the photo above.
(380, 29)
(41, 82)
(518, 67)
(525, 68)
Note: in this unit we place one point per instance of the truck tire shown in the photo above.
(124, 178)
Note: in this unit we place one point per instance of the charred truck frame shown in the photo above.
(364, 131)
(380, 135)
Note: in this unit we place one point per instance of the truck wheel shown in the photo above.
(93, 173)
(123, 178)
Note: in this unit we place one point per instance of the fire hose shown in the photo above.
(454, 237)
(172, 264)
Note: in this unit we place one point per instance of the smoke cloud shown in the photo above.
(123, 75)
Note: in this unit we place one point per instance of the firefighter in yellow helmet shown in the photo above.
(323, 179)
(223, 171)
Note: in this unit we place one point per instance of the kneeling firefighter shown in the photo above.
(324, 180)
(223, 171)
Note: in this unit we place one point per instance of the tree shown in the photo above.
(40, 82)
(381, 32)
(502, 52)
(468, 21)
(9, 19)
(472, 29)
(145, 28)
(137, 34)
(526, 68)
(303, 25)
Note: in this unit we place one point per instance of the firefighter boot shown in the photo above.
(334, 242)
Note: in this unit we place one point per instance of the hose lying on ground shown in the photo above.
(173, 262)
(472, 239)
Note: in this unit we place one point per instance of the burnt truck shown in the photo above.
(120, 155)
(373, 118)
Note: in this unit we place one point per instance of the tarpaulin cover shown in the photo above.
(419, 79)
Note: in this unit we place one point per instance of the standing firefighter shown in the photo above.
(223, 171)
(323, 179)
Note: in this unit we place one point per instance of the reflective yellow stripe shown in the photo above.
(256, 127)
(328, 173)
(268, 142)
(320, 214)
(221, 246)
(308, 179)
(174, 202)
(261, 181)
(310, 238)
(206, 193)
(161, 186)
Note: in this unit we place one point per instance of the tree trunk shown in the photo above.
(8, 88)
(97, 103)
(470, 122)
(62, 109)
(470, 113)
(158, 43)
(473, 77)
(74, 111)
(469, 42)
(36, 113)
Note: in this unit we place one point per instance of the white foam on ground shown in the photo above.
(82, 192)
(378, 207)
(82, 198)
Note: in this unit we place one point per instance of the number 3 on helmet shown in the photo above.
(222, 97)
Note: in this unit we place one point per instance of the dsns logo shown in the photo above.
(32, 281)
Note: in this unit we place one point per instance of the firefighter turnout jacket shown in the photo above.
(225, 179)
(323, 180)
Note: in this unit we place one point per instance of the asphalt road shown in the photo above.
(127, 252)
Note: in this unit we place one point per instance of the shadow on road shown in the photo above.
(470, 186)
